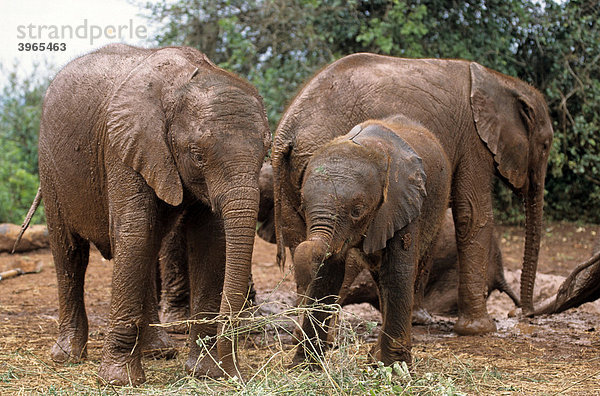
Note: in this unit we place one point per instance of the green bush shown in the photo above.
(20, 109)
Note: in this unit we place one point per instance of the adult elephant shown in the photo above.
(487, 123)
(130, 140)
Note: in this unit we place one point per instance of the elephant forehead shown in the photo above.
(216, 102)
(343, 171)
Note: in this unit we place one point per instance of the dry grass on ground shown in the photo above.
(548, 355)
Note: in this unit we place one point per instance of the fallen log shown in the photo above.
(581, 286)
(36, 237)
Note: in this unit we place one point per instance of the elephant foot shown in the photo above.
(69, 349)
(130, 373)
(175, 313)
(422, 317)
(474, 326)
(158, 344)
(207, 365)
(400, 353)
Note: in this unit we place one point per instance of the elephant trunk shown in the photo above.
(534, 203)
(307, 258)
(239, 212)
(318, 245)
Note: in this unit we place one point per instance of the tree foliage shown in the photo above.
(20, 109)
(278, 44)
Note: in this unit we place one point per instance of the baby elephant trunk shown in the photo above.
(308, 256)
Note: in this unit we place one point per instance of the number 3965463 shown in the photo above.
(42, 46)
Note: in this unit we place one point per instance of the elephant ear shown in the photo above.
(136, 120)
(405, 190)
(503, 117)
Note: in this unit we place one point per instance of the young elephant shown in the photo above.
(383, 188)
(130, 140)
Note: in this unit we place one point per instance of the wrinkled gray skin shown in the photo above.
(382, 188)
(133, 141)
(440, 276)
(580, 287)
(487, 123)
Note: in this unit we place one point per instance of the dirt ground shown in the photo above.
(557, 354)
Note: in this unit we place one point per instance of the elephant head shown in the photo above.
(360, 188)
(193, 130)
(512, 119)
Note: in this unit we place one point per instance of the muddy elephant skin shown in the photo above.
(488, 124)
(130, 141)
(382, 188)
(439, 295)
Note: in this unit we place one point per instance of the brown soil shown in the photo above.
(535, 355)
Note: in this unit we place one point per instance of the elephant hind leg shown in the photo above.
(175, 294)
(156, 343)
(71, 256)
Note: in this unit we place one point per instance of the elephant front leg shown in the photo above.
(322, 290)
(206, 262)
(136, 237)
(396, 288)
(473, 218)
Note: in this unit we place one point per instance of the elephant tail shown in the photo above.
(32, 209)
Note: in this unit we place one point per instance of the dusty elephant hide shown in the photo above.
(488, 124)
(441, 290)
(131, 140)
(36, 237)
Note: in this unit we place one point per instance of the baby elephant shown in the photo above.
(382, 188)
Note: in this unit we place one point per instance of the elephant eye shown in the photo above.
(356, 212)
(196, 153)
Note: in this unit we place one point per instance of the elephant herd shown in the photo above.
(155, 155)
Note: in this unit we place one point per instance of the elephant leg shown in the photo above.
(136, 232)
(156, 342)
(206, 259)
(473, 219)
(396, 287)
(420, 314)
(71, 255)
(323, 289)
(175, 295)
(353, 268)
